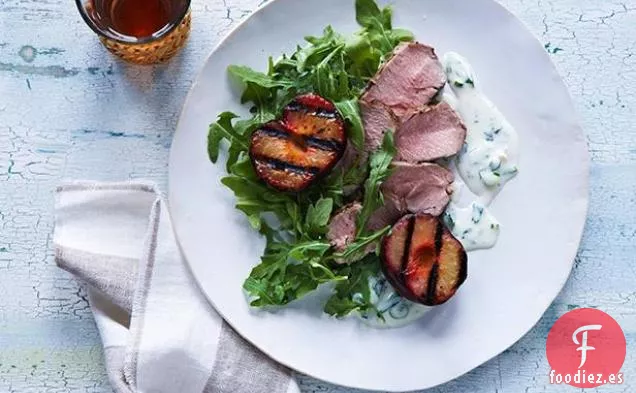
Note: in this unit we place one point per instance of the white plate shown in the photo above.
(509, 287)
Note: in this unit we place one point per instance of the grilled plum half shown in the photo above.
(316, 118)
(290, 155)
(423, 261)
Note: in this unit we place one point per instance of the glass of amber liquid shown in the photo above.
(139, 31)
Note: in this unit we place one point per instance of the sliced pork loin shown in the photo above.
(408, 81)
(413, 188)
(419, 188)
(435, 132)
(386, 215)
(377, 120)
(342, 227)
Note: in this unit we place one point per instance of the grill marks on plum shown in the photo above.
(432, 263)
(291, 154)
(317, 112)
(438, 238)
(302, 140)
(407, 245)
(275, 132)
(313, 116)
(282, 177)
(432, 279)
(323, 144)
(422, 256)
(285, 166)
(432, 283)
(395, 256)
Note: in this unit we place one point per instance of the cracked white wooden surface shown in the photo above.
(69, 110)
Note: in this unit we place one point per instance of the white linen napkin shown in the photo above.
(159, 333)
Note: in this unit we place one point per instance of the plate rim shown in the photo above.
(585, 201)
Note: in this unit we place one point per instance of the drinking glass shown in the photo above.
(139, 31)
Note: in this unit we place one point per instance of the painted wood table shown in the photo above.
(70, 110)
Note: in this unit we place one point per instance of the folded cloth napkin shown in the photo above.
(159, 333)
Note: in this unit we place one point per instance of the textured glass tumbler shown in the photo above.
(139, 31)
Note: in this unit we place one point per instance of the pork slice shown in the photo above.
(377, 119)
(432, 133)
(408, 81)
(342, 226)
(384, 216)
(418, 188)
(413, 188)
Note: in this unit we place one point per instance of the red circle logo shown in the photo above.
(586, 348)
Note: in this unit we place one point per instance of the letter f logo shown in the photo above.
(584, 347)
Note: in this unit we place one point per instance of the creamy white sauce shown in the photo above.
(396, 310)
(489, 157)
(470, 221)
(488, 160)
(474, 226)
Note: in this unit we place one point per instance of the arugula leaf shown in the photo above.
(220, 130)
(248, 75)
(357, 174)
(378, 27)
(288, 272)
(358, 248)
(268, 92)
(307, 277)
(243, 168)
(321, 50)
(377, 24)
(254, 198)
(354, 294)
(329, 77)
(264, 282)
(350, 111)
(365, 59)
(318, 216)
(369, 15)
(331, 187)
(401, 35)
(324, 81)
(308, 250)
(379, 170)
(237, 134)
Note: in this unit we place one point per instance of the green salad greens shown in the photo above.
(298, 258)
